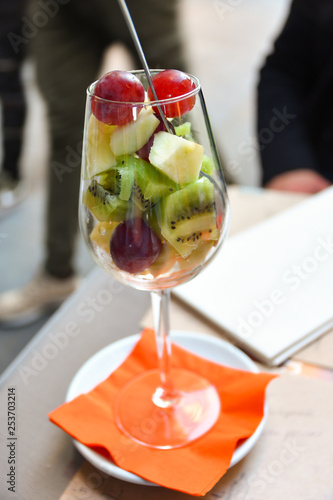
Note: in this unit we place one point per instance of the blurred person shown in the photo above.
(13, 105)
(295, 102)
(68, 52)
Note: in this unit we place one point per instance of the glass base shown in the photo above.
(144, 415)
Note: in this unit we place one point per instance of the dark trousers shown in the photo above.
(11, 89)
(68, 52)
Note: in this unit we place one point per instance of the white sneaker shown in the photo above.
(11, 192)
(41, 295)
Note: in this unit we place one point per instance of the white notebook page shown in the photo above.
(271, 286)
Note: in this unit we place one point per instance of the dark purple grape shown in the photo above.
(134, 246)
(145, 150)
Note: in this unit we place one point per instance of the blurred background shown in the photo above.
(226, 42)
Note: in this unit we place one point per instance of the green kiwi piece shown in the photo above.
(104, 205)
(132, 174)
(119, 179)
(150, 185)
(126, 183)
(207, 165)
(188, 217)
(111, 181)
(185, 130)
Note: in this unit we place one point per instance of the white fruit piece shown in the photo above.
(99, 157)
(176, 157)
(127, 139)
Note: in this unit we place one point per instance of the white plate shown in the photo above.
(99, 367)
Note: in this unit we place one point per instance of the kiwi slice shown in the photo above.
(188, 217)
(111, 181)
(207, 165)
(104, 205)
(119, 179)
(184, 130)
(148, 183)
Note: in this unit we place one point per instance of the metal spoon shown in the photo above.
(138, 46)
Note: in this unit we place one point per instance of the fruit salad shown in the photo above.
(154, 209)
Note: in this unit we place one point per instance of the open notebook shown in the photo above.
(271, 287)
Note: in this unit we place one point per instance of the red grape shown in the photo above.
(145, 150)
(173, 83)
(120, 86)
(134, 246)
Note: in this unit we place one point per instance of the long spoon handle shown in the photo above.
(138, 46)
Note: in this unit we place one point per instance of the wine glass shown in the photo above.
(153, 212)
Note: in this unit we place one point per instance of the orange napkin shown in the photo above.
(193, 469)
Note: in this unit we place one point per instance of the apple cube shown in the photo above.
(99, 157)
(127, 139)
(176, 157)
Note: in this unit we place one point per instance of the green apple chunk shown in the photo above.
(176, 157)
(127, 139)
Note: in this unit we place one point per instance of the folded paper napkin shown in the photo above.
(193, 469)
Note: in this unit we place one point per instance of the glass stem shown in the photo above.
(165, 395)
